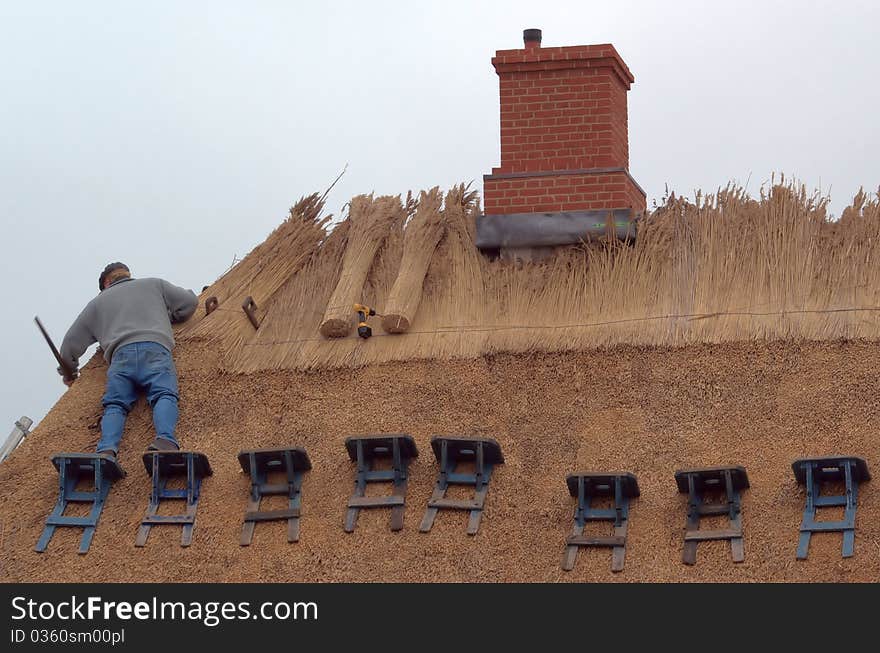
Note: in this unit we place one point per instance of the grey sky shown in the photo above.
(174, 135)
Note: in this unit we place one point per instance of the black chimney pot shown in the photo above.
(531, 35)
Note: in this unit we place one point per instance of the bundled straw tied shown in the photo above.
(260, 274)
(371, 222)
(421, 236)
(455, 299)
(288, 334)
(717, 268)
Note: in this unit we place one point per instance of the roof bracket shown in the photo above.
(249, 306)
(72, 467)
(812, 473)
(365, 451)
(162, 466)
(450, 451)
(621, 487)
(695, 483)
(258, 464)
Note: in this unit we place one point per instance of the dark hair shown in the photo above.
(110, 268)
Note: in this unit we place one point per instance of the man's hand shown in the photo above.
(67, 376)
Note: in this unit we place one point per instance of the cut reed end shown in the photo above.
(395, 323)
(335, 328)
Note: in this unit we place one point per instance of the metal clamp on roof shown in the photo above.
(622, 486)
(249, 306)
(365, 451)
(161, 466)
(72, 467)
(484, 453)
(258, 464)
(812, 473)
(696, 482)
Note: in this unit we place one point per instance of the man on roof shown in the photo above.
(131, 319)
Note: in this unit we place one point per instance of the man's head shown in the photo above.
(113, 272)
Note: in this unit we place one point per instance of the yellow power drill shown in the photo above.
(364, 330)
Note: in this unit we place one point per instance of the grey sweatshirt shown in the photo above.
(129, 310)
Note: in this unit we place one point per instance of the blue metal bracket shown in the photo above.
(258, 463)
(621, 486)
(484, 453)
(812, 473)
(696, 482)
(73, 467)
(366, 450)
(161, 466)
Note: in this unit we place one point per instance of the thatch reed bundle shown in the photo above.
(260, 274)
(454, 302)
(726, 267)
(371, 222)
(421, 236)
(290, 331)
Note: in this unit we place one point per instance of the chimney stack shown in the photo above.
(564, 142)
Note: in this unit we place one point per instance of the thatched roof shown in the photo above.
(599, 358)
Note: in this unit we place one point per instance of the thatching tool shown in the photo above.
(66, 370)
(363, 311)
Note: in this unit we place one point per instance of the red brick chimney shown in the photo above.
(564, 143)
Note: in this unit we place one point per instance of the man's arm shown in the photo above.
(76, 341)
(181, 303)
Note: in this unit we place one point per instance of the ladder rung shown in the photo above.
(71, 521)
(815, 527)
(274, 488)
(81, 497)
(723, 534)
(707, 510)
(455, 478)
(375, 502)
(455, 504)
(829, 501)
(379, 475)
(169, 519)
(271, 515)
(601, 514)
(173, 494)
(583, 540)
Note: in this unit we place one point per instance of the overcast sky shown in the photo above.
(173, 136)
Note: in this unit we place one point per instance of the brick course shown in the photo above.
(563, 109)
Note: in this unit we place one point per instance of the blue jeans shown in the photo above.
(146, 366)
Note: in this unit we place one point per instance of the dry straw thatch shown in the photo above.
(724, 267)
(422, 234)
(260, 274)
(371, 221)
